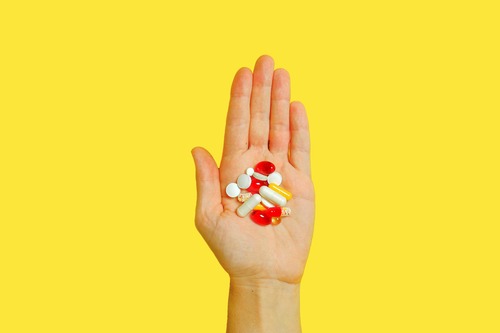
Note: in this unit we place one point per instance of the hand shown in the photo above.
(261, 125)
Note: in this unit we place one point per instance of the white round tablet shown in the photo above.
(250, 171)
(232, 190)
(244, 181)
(275, 178)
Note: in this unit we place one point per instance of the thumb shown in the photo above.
(207, 182)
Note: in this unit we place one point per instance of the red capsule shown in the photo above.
(259, 217)
(273, 212)
(256, 184)
(265, 167)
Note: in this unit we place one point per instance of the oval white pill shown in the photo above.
(275, 178)
(244, 181)
(259, 176)
(233, 190)
(272, 196)
(250, 171)
(248, 205)
(266, 203)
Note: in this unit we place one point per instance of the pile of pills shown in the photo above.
(261, 195)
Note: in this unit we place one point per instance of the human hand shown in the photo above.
(261, 125)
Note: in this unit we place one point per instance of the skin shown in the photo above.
(265, 263)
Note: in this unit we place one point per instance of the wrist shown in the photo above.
(263, 305)
(264, 285)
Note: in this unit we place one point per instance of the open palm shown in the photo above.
(261, 125)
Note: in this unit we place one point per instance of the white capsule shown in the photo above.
(272, 196)
(259, 176)
(244, 181)
(233, 190)
(275, 178)
(250, 171)
(266, 203)
(248, 205)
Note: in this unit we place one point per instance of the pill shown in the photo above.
(275, 178)
(249, 171)
(244, 181)
(256, 184)
(273, 211)
(275, 220)
(233, 190)
(286, 211)
(265, 168)
(243, 196)
(248, 205)
(266, 203)
(281, 191)
(272, 196)
(259, 176)
(260, 207)
(260, 217)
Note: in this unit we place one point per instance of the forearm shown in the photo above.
(263, 305)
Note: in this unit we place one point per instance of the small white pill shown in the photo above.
(259, 176)
(248, 205)
(233, 190)
(244, 181)
(266, 203)
(275, 178)
(250, 171)
(272, 196)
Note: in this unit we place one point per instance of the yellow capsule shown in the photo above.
(259, 207)
(280, 190)
(276, 220)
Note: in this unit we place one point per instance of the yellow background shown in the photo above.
(101, 103)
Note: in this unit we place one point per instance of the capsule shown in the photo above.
(286, 211)
(244, 196)
(281, 191)
(266, 203)
(259, 176)
(260, 217)
(272, 196)
(256, 184)
(248, 205)
(260, 207)
(274, 211)
(265, 168)
(275, 220)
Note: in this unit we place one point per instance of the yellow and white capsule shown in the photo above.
(260, 207)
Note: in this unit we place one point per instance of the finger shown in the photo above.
(208, 202)
(238, 114)
(260, 101)
(279, 135)
(300, 145)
